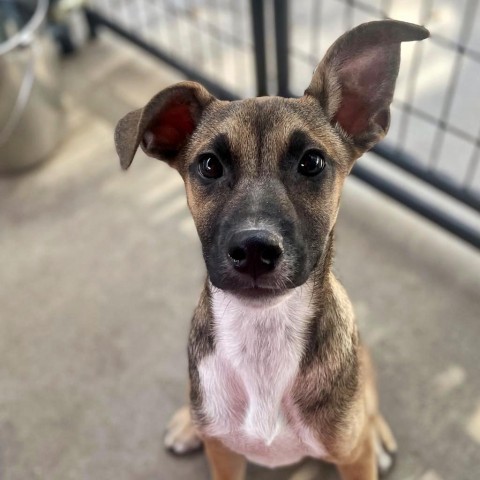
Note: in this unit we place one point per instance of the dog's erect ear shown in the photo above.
(164, 125)
(354, 82)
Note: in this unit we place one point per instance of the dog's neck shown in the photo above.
(263, 345)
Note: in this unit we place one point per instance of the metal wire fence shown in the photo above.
(210, 39)
(435, 130)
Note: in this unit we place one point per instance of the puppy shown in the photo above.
(277, 369)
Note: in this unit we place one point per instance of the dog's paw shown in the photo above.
(385, 461)
(181, 436)
(385, 447)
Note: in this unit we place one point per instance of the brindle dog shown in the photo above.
(277, 370)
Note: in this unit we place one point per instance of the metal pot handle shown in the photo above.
(27, 33)
(22, 97)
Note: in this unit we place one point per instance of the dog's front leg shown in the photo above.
(224, 464)
(364, 463)
(181, 436)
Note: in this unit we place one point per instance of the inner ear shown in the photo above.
(365, 91)
(352, 114)
(169, 129)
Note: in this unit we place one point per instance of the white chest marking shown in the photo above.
(246, 384)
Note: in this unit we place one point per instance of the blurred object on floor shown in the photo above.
(31, 113)
(68, 25)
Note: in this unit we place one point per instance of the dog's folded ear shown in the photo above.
(163, 127)
(355, 81)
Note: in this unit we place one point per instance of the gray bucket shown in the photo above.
(31, 113)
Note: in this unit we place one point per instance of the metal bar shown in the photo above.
(219, 59)
(473, 164)
(467, 28)
(417, 204)
(91, 25)
(227, 34)
(429, 118)
(426, 9)
(348, 14)
(188, 71)
(257, 8)
(198, 45)
(237, 69)
(281, 46)
(451, 45)
(407, 163)
(246, 31)
(315, 44)
(386, 7)
(178, 31)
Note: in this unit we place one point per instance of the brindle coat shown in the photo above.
(343, 113)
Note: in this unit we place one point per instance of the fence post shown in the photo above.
(257, 8)
(281, 46)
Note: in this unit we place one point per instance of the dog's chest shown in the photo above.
(247, 382)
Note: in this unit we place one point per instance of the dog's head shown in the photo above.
(263, 176)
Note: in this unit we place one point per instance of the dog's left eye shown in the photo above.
(311, 163)
(210, 166)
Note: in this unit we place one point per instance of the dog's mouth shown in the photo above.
(259, 293)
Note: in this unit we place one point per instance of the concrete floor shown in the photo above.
(100, 271)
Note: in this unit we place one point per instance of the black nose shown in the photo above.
(254, 252)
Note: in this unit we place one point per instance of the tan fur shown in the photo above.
(362, 463)
(182, 435)
(344, 112)
(224, 464)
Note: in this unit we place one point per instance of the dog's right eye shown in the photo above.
(311, 164)
(210, 166)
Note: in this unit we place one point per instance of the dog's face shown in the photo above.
(263, 180)
(264, 176)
